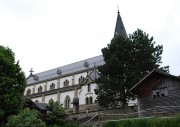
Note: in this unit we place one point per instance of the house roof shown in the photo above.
(65, 70)
(30, 104)
(41, 106)
(155, 71)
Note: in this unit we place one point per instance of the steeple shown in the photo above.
(120, 29)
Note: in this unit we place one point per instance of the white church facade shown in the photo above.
(69, 84)
(73, 82)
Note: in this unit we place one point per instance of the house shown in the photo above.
(41, 107)
(158, 93)
(72, 85)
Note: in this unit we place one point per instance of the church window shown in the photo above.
(87, 100)
(90, 100)
(66, 83)
(89, 87)
(40, 89)
(67, 102)
(52, 86)
(81, 79)
(28, 92)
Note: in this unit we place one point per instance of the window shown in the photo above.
(86, 100)
(160, 92)
(52, 86)
(89, 87)
(66, 83)
(28, 92)
(40, 89)
(67, 102)
(90, 100)
(81, 79)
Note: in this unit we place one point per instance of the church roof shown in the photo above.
(66, 70)
(120, 29)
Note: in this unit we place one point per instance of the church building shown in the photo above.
(71, 85)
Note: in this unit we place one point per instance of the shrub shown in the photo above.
(152, 122)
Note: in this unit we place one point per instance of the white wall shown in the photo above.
(37, 98)
(83, 93)
(77, 76)
(50, 82)
(28, 87)
(63, 96)
(48, 97)
(38, 85)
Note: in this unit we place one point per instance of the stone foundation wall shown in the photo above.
(91, 110)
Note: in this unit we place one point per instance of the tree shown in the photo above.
(127, 60)
(55, 115)
(26, 118)
(12, 84)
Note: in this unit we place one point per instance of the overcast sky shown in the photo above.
(45, 34)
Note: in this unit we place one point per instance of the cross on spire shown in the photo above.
(31, 71)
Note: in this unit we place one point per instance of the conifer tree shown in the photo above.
(127, 60)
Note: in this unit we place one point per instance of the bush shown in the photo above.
(26, 118)
(152, 122)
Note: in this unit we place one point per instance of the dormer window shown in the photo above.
(28, 92)
(52, 86)
(40, 89)
(66, 83)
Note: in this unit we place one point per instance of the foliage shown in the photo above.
(26, 118)
(56, 114)
(127, 60)
(69, 124)
(12, 84)
(151, 122)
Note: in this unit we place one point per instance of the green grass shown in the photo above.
(151, 122)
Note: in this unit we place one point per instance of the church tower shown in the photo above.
(120, 29)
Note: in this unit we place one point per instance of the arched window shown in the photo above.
(28, 92)
(52, 86)
(86, 100)
(90, 100)
(40, 89)
(67, 102)
(81, 79)
(66, 83)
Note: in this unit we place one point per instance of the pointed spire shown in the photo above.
(120, 29)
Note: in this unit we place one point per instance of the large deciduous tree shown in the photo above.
(127, 60)
(12, 84)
